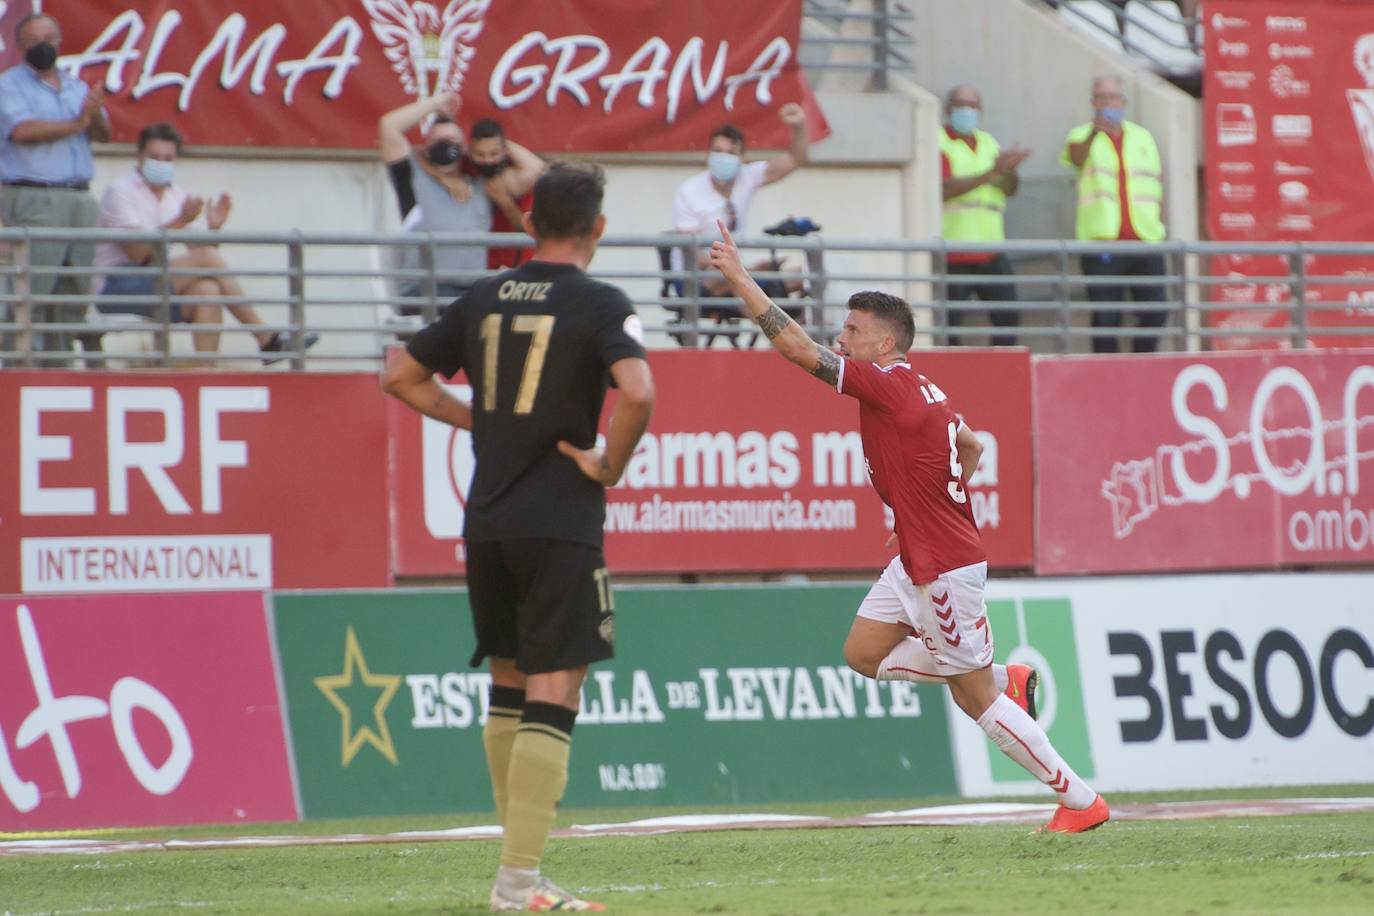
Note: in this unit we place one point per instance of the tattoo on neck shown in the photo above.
(773, 322)
(828, 367)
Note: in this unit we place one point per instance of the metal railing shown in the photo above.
(870, 36)
(1162, 35)
(352, 290)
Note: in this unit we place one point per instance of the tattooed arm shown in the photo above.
(784, 333)
(412, 382)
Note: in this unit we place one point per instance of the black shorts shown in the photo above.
(545, 603)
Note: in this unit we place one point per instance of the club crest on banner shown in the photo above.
(1362, 100)
(429, 49)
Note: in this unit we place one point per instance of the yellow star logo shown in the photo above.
(379, 737)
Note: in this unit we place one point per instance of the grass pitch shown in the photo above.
(1304, 864)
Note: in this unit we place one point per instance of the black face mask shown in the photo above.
(444, 152)
(41, 56)
(492, 169)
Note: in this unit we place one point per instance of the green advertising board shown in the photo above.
(735, 695)
(1040, 632)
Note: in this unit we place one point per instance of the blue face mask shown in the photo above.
(963, 120)
(1112, 115)
(722, 166)
(156, 172)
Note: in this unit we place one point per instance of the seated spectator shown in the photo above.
(434, 181)
(725, 190)
(508, 172)
(146, 199)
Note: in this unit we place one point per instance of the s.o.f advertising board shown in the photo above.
(703, 704)
(592, 75)
(1193, 462)
(1289, 100)
(748, 464)
(122, 710)
(1188, 681)
(188, 481)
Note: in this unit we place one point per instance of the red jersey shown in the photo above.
(503, 258)
(908, 431)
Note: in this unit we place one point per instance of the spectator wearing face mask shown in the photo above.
(144, 199)
(508, 172)
(447, 199)
(48, 119)
(725, 190)
(978, 177)
(1120, 198)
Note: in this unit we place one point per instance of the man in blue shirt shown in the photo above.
(48, 119)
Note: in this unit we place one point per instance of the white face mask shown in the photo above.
(722, 166)
(156, 172)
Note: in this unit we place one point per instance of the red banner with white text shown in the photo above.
(748, 465)
(132, 710)
(1189, 462)
(191, 481)
(594, 75)
(11, 11)
(1289, 97)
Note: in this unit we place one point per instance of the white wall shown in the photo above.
(1035, 75)
(346, 196)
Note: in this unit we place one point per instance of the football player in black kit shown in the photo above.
(539, 344)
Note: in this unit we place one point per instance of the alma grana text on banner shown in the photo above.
(582, 76)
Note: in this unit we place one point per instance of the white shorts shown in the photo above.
(948, 615)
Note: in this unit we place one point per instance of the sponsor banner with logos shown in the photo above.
(1188, 682)
(191, 481)
(705, 704)
(776, 482)
(1213, 461)
(125, 710)
(581, 76)
(1289, 92)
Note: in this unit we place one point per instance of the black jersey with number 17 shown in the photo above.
(537, 344)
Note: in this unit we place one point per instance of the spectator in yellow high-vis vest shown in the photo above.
(979, 176)
(1120, 198)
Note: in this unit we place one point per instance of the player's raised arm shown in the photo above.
(786, 335)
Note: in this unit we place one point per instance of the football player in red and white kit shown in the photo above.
(919, 457)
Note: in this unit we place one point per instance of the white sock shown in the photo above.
(1021, 739)
(999, 674)
(514, 880)
(909, 660)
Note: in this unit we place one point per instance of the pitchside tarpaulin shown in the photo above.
(1204, 461)
(1188, 681)
(190, 481)
(591, 75)
(717, 696)
(749, 464)
(1290, 156)
(125, 710)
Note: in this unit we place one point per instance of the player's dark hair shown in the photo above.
(567, 200)
(487, 127)
(729, 132)
(31, 17)
(159, 130)
(891, 310)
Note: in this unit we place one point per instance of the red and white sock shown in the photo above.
(1021, 739)
(910, 660)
